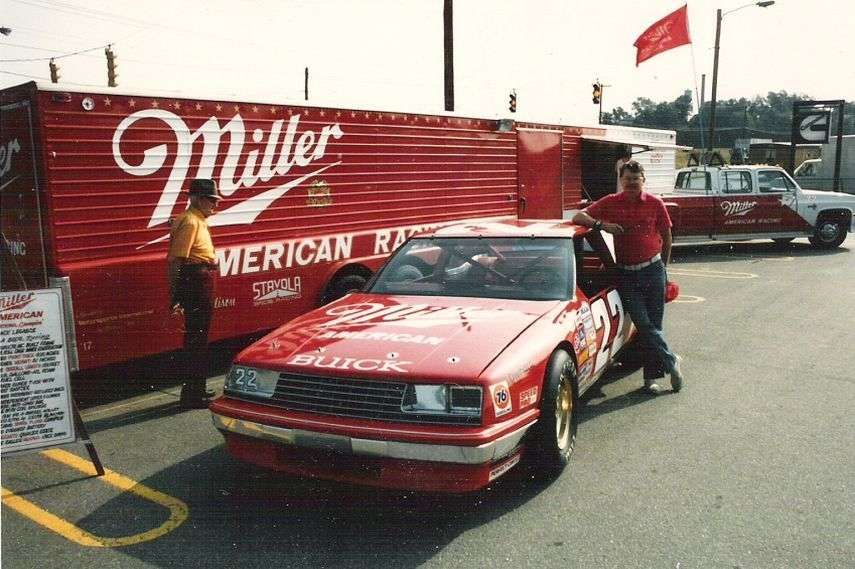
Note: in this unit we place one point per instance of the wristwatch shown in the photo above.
(597, 225)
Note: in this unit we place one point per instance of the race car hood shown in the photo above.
(423, 338)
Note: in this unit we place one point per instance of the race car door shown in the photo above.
(539, 173)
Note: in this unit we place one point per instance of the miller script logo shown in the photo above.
(273, 156)
(735, 209)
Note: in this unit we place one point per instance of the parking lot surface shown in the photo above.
(749, 466)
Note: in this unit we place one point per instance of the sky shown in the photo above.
(388, 54)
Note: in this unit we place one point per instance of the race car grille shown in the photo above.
(361, 399)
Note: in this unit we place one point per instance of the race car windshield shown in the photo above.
(518, 268)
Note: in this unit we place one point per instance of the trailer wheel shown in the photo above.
(344, 284)
(552, 439)
(829, 233)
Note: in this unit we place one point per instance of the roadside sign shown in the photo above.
(812, 126)
(35, 389)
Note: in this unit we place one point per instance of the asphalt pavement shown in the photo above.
(750, 466)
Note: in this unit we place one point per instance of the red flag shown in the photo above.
(669, 32)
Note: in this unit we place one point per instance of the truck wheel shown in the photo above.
(828, 234)
(553, 437)
(343, 285)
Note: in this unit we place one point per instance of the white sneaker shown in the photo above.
(677, 376)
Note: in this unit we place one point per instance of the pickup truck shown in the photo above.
(739, 203)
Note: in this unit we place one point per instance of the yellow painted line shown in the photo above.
(688, 299)
(711, 274)
(177, 509)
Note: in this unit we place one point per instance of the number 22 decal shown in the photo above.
(605, 311)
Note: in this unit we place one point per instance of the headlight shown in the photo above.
(438, 399)
(260, 382)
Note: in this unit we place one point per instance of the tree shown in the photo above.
(761, 117)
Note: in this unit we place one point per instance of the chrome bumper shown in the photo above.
(487, 452)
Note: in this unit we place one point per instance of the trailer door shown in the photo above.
(539, 172)
(23, 249)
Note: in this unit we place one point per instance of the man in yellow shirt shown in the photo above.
(192, 268)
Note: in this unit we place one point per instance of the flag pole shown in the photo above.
(697, 96)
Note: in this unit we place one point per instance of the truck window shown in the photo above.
(693, 181)
(737, 182)
(771, 181)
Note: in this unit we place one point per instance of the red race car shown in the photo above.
(469, 349)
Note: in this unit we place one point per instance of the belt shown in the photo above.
(639, 266)
(201, 265)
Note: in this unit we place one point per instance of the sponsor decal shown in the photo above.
(737, 208)
(16, 301)
(224, 302)
(497, 471)
(277, 156)
(528, 397)
(580, 340)
(501, 396)
(382, 337)
(586, 368)
(410, 315)
(336, 362)
(7, 150)
(275, 290)
(320, 194)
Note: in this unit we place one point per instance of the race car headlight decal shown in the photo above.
(442, 399)
(253, 381)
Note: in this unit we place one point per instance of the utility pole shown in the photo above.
(448, 28)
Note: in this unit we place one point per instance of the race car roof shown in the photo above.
(510, 228)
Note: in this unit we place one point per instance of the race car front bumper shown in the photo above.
(389, 464)
(487, 452)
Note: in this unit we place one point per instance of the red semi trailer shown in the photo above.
(315, 199)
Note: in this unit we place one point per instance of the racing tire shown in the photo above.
(552, 439)
(828, 234)
(344, 284)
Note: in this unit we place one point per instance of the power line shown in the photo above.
(23, 75)
(52, 57)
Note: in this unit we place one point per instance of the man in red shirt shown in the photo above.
(641, 227)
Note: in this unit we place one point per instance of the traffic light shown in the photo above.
(598, 92)
(111, 66)
(512, 102)
(54, 72)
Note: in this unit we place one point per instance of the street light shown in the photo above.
(719, 16)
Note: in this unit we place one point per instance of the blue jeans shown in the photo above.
(643, 295)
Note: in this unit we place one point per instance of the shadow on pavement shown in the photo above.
(242, 516)
(723, 252)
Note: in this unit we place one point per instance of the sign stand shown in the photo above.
(83, 437)
(38, 407)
